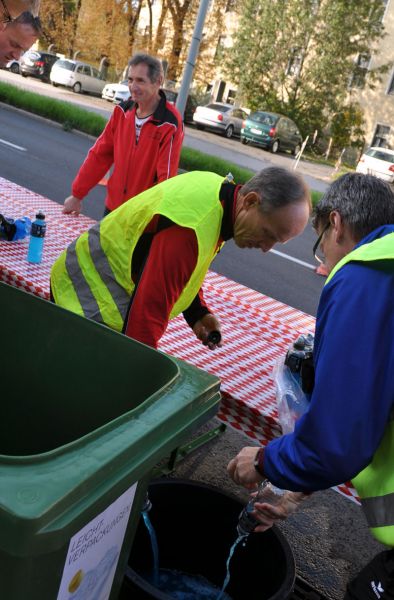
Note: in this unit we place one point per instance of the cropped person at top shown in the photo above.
(18, 35)
(142, 141)
(348, 430)
(11, 9)
(145, 262)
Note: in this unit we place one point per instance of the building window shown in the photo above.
(220, 47)
(295, 62)
(360, 71)
(231, 96)
(381, 136)
(391, 86)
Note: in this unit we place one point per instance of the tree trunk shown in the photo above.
(178, 14)
(159, 32)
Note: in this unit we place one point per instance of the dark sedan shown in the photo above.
(272, 131)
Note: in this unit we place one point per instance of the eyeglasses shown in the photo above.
(317, 253)
(6, 18)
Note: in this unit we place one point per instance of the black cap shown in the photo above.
(40, 215)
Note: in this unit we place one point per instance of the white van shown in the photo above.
(77, 75)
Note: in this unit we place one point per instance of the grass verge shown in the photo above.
(73, 117)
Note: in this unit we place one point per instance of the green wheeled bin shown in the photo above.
(86, 413)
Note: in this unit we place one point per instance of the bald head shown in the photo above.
(272, 207)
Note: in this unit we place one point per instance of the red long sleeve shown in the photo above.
(171, 261)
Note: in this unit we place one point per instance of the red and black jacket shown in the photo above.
(136, 166)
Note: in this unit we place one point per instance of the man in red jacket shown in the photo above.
(142, 141)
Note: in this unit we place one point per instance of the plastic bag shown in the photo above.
(292, 402)
(13, 230)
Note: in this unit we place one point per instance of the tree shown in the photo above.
(301, 55)
(178, 13)
(59, 19)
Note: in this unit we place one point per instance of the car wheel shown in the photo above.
(296, 150)
(200, 127)
(54, 84)
(14, 68)
(275, 147)
(244, 140)
(77, 88)
(229, 132)
(23, 74)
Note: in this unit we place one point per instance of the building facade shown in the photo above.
(378, 103)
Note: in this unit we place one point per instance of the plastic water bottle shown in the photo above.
(37, 235)
(267, 492)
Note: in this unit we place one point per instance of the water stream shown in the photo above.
(155, 547)
(227, 578)
(184, 586)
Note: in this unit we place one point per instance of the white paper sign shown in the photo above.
(94, 551)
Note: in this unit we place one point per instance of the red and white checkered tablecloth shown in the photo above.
(256, 329)
(15, 202)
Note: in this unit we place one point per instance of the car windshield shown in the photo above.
(31, 55)
(170, 95)
(66, 64)
(219, 107)
(381, 155)
(264, 118)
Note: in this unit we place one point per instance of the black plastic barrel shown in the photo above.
(195, 526)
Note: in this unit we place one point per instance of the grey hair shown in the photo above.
(155, 68)
(363, 201)
(27, 18)
(277, 187)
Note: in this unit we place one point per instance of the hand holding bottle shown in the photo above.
(267, 513)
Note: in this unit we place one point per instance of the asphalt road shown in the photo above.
(44, 158)
(328, 536)
(251, 157)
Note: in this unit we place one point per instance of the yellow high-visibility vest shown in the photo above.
(92, 277)
(375, 483)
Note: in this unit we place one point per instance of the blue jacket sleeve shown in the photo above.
(354, 384)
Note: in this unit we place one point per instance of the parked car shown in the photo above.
(225, 118)
(77, 75)
(379, 162)
(116, 92)
(272, 131)
(191, 104)
(37, 64)
(13, 66)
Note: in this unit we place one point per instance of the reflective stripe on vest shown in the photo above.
(94, 279)
(375, 483)
(88, 302)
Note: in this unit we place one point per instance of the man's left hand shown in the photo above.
(242, 470)
(203, 327)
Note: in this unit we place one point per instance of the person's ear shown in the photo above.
(338, 226)
(250, 199)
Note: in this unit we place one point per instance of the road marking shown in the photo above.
(13, 145)
(296, 260)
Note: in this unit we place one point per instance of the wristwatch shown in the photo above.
(258, 459)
